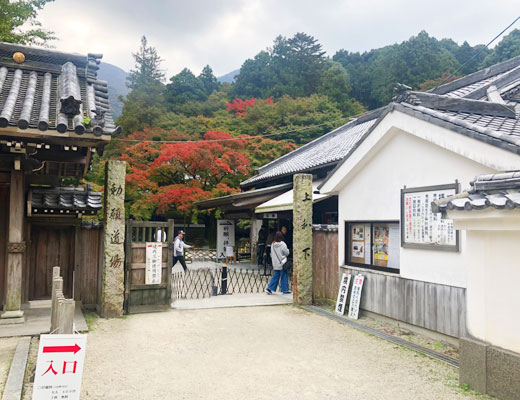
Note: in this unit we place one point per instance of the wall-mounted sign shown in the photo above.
(342, 294)
(355, 297)
(225, 236)
(270, 215)
(153, 263)
(420, 227)
(59, 367)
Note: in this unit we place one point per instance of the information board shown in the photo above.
(355, 296)
(153, 263)
(59, 367)
(343, 294)
(225, 236)
(420, 227)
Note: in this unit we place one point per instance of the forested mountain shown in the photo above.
(193, 137)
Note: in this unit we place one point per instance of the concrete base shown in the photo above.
(12, 317)
(234, 300)
(14, 385)
(489, 370)
(472, 364)
(38, 321)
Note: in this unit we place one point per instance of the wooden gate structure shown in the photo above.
(140, 297)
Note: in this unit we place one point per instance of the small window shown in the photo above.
(374, 245)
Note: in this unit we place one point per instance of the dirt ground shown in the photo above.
(7, 349)
(277, 352)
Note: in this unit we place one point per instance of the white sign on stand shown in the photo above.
(343, 293)
(355, 297)
(225, 236)
(59, 368)
(153, 263)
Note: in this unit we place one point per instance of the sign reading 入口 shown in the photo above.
(153, 263)
(342, 294)
(225, 236)
(355, 297)
(59, 367)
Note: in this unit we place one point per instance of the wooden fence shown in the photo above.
(325, 263)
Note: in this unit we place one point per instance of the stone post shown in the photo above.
(253, 238)
(15, 251)
(302, 239)
(112, 294)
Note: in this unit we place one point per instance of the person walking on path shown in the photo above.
(178, 250)
(279, 254)
(262, 237)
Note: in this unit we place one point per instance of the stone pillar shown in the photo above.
(15, 251)
(112, 294)
(302, 239)
(256, 224)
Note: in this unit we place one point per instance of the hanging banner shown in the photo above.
(225, 236)
(153, 263)
(59, 367)
(355, 297)
(342, 294)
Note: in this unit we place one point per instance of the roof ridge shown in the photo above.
(364, 118)
(460, 104)
(477, 76)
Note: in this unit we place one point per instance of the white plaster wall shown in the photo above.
(372, 193)
(493, 295)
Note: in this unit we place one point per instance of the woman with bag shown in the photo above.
(279, 254)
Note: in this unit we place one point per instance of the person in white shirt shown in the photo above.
(178, 250)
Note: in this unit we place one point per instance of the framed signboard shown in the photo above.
(420, 227)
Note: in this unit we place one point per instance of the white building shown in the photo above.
(419, 149)
(489, 213)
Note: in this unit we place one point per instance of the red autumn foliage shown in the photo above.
(180, 174)
(239, 106)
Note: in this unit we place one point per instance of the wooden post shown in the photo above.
(65, 316)
(57, 287)
(15, 252)
(302, 239)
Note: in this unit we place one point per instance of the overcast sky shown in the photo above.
(223, 33)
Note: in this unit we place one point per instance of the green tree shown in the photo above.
(508, 47)
(144, 104)
(209, 81)
(184, 87)
(15, 14)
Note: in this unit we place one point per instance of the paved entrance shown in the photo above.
(278, 352)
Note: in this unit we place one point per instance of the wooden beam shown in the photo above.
(87, 139)
(16, 246)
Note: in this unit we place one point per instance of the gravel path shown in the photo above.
(7, 349)
(277, 352)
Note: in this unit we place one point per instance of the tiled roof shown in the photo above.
(484, 105)
(326, 150)
(49, 90)
(64, 201)
(500, 191)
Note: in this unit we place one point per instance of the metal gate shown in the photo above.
(140, 297)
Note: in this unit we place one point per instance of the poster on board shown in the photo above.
(355, 297)
(225, 236)
(59, 367)
(420, 227)
(341, 302)
(153, 273)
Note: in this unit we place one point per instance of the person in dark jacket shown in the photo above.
(262, 237)
(279, 254)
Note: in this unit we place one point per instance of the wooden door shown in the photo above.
(50, 246)
(4, 221)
